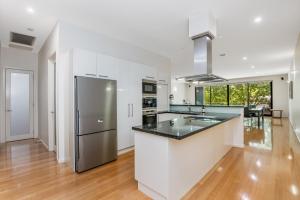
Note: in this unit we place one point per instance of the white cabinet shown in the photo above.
(129, 102)
(84, 63)
(129, 77)
(107, 67)
(164, 78)
(163, 90)
(162, 97)
(148, 73)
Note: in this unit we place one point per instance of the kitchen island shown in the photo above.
(172, 156)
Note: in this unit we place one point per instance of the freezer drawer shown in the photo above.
(95, 149)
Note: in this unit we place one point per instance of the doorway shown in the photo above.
(18, 104)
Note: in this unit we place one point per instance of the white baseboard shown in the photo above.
(47, 147)
(122, 151)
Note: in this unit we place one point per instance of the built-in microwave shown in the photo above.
(149, 87)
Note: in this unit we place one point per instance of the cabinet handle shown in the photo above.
(131, 110)
(103, 76)
(162, 80)
(128, 110)
(150, 77)
(90, 74)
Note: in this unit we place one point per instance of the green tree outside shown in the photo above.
(240, 94)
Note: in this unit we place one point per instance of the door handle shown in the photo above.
(131, 110)
(52, 112)
(8, 110)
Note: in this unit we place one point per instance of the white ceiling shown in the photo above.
(162, 27)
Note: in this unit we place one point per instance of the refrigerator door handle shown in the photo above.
(131, 110)
(77, 133)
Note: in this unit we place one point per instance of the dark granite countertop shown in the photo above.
(180, 112)
(181, 128)
(193, 105)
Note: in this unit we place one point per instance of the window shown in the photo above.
(218, 95)
(206, 95)
(238, 94)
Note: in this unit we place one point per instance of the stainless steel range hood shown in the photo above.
(203, 61)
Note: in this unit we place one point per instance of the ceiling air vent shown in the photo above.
(22, 41)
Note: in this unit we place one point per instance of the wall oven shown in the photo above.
(149, 102)
(149, 87)
(149, 118)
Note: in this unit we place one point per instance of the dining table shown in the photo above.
(259, 113)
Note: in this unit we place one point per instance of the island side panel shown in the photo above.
(238, 132)
(191, 158)
(151, 164)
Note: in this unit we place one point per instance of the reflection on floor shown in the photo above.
(267, 168)
(259, 137)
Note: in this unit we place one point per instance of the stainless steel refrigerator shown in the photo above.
(96, 122)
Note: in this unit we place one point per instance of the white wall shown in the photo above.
(72, 36)
(280, 90)
(47, 51)
(17, 59)
(294, 76)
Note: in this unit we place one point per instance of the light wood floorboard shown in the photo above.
(267, 168)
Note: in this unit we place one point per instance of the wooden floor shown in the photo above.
(267, 168)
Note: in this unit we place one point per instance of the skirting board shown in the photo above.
(122, 151)
(47, 147)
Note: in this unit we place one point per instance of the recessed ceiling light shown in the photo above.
(257, 20)
(245, 58)
(252, 66)
(30, 10)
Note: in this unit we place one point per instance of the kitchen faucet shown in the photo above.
(189, 108)
(203, 109)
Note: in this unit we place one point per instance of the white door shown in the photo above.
(19, 104)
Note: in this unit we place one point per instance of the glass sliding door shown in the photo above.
(260, 94)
